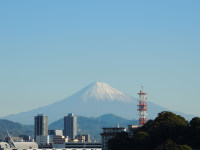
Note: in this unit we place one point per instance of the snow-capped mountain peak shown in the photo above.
(94, 100)
(103, 91)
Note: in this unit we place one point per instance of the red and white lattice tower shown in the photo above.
(142, 107)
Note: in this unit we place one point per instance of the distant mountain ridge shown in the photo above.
(94, 100)
(14, 128)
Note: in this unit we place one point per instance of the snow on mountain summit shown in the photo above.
(103, 91)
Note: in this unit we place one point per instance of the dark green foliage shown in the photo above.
(170, 119)
(140, 139)
(166, 126)
(170, 145)
(184, 147)
(167, 132)
(194, 132)
(121, 140)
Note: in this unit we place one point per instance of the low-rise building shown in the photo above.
(25, 138)
(59, 141)
(85, 146)
(53, 133)
(109, 133)
(9, 144)
(42, 140)
(80, 138)
(87, 137)
(131, 130)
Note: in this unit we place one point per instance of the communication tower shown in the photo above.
(142, 107)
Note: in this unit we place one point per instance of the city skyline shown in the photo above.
(50, 50)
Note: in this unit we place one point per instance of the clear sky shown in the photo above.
(50, 49)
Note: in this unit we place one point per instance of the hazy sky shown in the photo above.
(51, 49)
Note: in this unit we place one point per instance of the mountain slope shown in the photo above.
(112, 119)
(94, 100)
(15, 129)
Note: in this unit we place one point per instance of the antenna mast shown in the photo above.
(142, 107)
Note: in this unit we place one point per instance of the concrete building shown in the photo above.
(59, 141)
(80, 138)
(132, 129)
(70, 126)
(42, 140)
(25, 138)
(8, 144)
(87, 137)
(109, 133)
(41, 129)
(53, 133)
(59, 144)
(18, 145)
(83, 138)
(83, 146)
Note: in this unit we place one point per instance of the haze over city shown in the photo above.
(52, 49)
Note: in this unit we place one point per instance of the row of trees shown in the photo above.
(168, 131)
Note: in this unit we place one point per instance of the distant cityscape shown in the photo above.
(61, 139)
(111, 136)
(68, 137)
(72, 75)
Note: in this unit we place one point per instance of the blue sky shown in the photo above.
(51, 49)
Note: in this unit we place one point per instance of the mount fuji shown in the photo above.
(94, 100)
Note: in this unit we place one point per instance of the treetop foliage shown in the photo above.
(167, 131)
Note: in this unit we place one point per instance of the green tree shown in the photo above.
(194, 132)
(119, 142)
(166, 125)
(167, 131)
(170, 145)
(141, 140)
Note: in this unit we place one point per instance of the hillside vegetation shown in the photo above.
(15, 129)
(167, 131)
